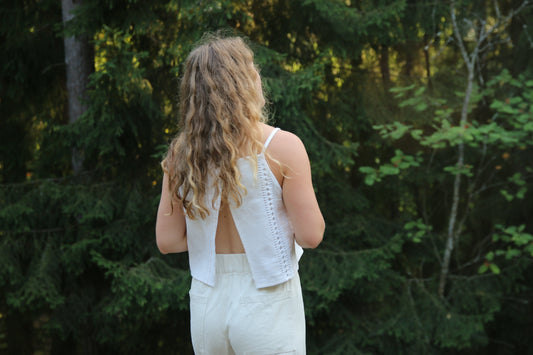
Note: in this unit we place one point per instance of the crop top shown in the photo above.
(262, 223)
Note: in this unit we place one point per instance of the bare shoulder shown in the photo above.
(288, 150)
(286, 146)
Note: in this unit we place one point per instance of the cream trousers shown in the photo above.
(234, 317)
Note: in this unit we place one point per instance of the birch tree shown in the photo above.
(464, 150)
(481, 44)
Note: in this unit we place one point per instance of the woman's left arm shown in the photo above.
(170, 227)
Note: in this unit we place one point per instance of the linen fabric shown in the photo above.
(237, 318)
(262, 223)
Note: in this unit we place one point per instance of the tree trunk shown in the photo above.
(409, 48)
(79, 65)
(384, 66)
(453, 231)
(428, 64)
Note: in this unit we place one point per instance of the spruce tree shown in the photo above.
(79, 269)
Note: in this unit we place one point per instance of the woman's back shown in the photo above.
(228, 240)
(227, 237)
(237, 194)
(309, 219)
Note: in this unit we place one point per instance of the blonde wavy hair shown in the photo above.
(220, 111)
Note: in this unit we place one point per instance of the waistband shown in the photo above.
(232, 263)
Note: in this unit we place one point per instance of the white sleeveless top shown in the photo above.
(262, 223)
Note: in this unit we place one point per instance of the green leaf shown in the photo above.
(410, 225)
(421, 106)
(367, 170)
(388, 169)
(507, 195)
(494, 268)
(521, 193)
(416, 133)
(512, 253)
(483, 269)
(420, 91)
(370, 179)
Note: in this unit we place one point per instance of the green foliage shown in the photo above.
(398, 162)
(416, 230)
(505, 134)
(512, 243)
(78, 262)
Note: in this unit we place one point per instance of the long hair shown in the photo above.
(220, 108)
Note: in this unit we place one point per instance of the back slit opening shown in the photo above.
(227, 239)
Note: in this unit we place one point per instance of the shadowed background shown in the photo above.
(418, 120)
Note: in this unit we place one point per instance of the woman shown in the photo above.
(237, 194)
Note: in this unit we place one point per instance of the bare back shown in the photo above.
(292, 170)
(227, 239)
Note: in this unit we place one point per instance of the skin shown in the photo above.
(293, 173)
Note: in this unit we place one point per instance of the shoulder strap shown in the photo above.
(267, 142)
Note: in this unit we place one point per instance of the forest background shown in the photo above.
(418, 120)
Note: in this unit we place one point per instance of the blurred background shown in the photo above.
(417, 116)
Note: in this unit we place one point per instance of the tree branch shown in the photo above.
(458, 37)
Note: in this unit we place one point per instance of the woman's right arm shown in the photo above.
(171, 227)
(298, 193)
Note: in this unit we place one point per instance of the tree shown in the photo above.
(79, 65)
(79, 270)
(479, 136)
